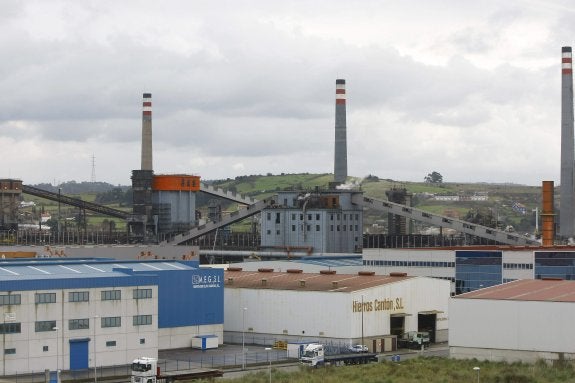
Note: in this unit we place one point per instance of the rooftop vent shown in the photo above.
(335, 284)
(263, 270)
(366, 273)
(330, 272)
(230, 281)
(294, 271)
(396, 274)
(235, 269)
(264, 282)
(551, 279)
(302, 283)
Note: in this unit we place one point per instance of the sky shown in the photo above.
(471, 89)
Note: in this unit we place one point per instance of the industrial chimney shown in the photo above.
(147, 132)
(340, 160)
(567, 190)
(548, 215)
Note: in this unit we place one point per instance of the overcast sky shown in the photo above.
(470, 89)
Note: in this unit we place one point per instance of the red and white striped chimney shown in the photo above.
(340, 153)
(147, 132)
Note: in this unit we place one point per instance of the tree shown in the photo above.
(434, 178)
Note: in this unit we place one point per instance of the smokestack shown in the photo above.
(340, 160)
(567, 190)
(147, 132)
(548, 215)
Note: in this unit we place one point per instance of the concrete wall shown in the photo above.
(181, 337)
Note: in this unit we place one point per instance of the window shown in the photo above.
(111, 295)
(331, 217)
(78, 324)
(301, 217)
(316, 227)
(292, 227)
(268, 232)
(78, 296)
(308, 227)
(269, 216)
(10, 328)
(13, 299)
(44, 348)
(278, 217)
(293, 217)
(111, 343)
(9, 351)
(45, 325)
(337, 227)
(350, 227)
(277, 232)
(142, 320)
(45, 297)
(344, 227)
(331, 227)
(142, 293)
(142, 340)
(317, 217)
(309, 217)
(112, 322)
(345, 217)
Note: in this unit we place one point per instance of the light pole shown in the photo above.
(268, 349)
(477, 369)
(244, 337)
(95, 374)
(55, 328)
(362, 308)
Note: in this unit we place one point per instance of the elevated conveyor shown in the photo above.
(218, 192)
(212, 226)
(75, 202)
(441, 221)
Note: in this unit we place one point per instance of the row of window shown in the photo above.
(317, 216)
(109, 343)
(518, 266)
(408, 263)
(75, 324)
(74, 296)
(318, 228)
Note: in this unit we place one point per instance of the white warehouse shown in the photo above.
(523, 321)
(292, 306)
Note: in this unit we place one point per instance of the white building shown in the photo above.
(522, 321)
(266, 306)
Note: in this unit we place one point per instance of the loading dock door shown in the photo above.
(397, 323)
(79, 354)
(427, 321)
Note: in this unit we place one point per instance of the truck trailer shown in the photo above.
(146, 370)
(314, 355)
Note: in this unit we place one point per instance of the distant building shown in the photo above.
(323, 221)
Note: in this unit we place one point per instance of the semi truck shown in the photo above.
(314, 356)
(146, 370)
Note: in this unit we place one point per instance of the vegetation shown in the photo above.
(434, 370)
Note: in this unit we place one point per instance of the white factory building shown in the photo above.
(265, 306)
(525, 321)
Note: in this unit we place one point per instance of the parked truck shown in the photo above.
(146, 370)
(414, 339)
(314, 355)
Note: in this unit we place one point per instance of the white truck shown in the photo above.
(314, 355)
(414, 339)
(146, 370)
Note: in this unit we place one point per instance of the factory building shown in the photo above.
(71, 314)
(520, 321)
(265, 306)
(471, 268)
(323, 221)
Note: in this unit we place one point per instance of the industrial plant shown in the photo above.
(90, 306)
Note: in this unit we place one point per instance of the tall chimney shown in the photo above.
(147, 132)
(340, 160)
(567, 190)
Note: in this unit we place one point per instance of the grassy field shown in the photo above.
(434, 370)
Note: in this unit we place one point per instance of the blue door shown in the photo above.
(79, 354)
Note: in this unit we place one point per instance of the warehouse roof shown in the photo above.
(295, 279)
(527, 290)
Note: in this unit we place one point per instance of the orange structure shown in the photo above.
(548, 215)
(176, 182)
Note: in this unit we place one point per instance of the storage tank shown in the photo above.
(174, 201)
